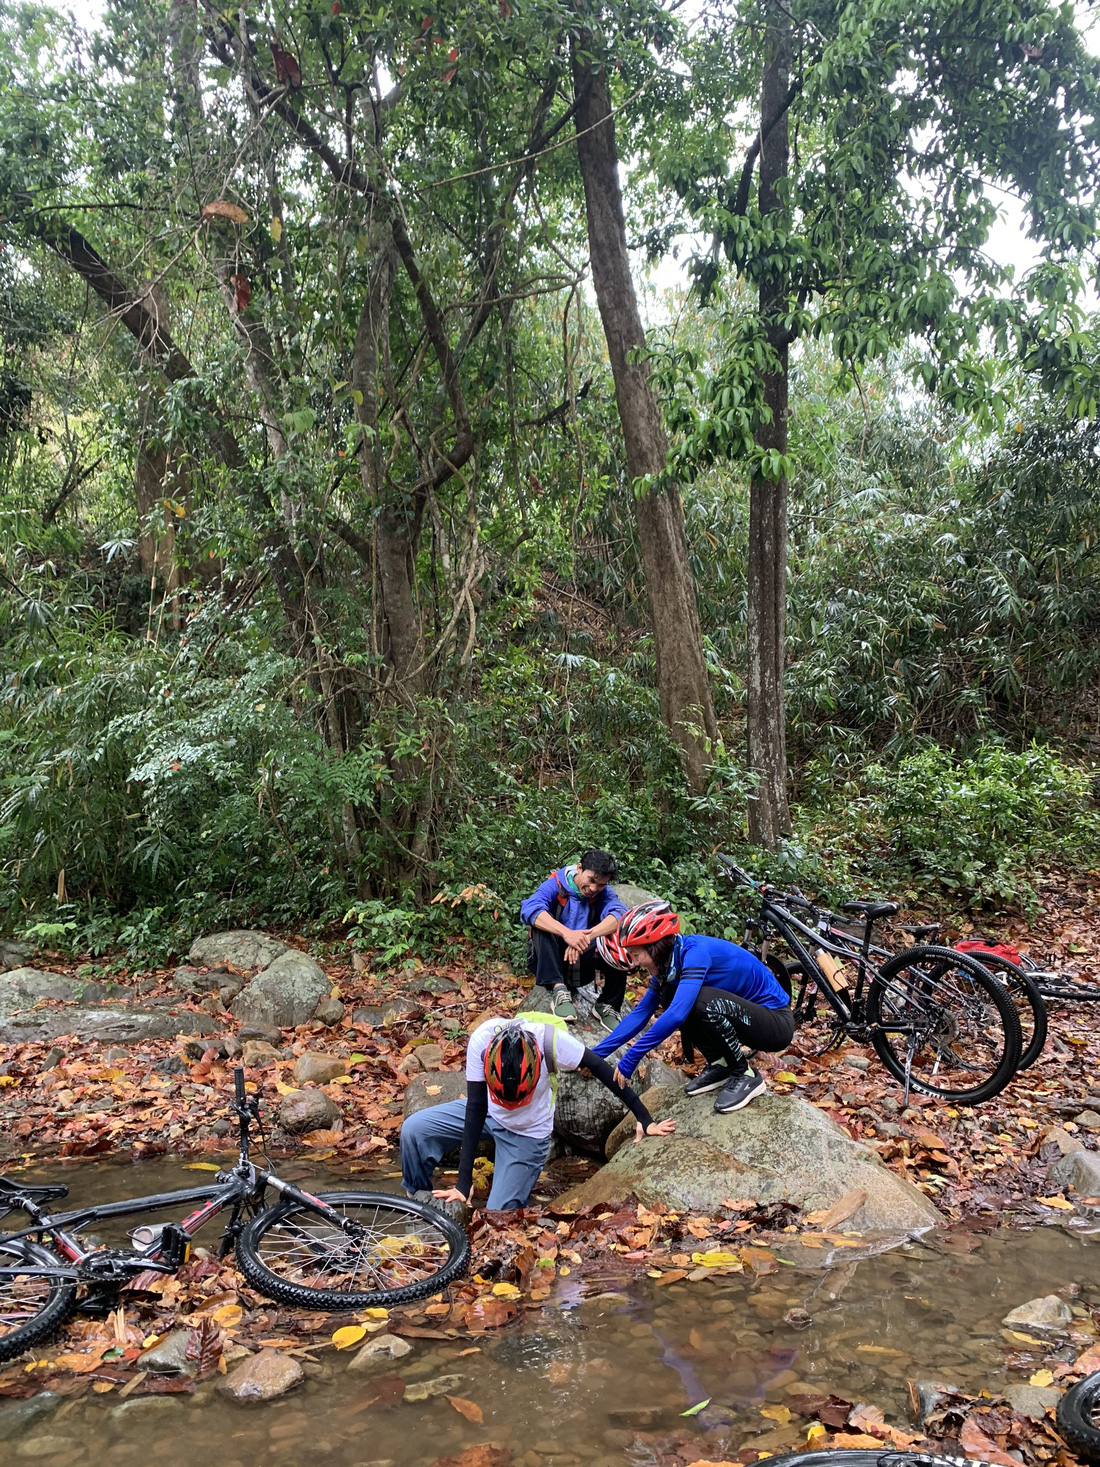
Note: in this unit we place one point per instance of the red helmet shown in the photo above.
(612, 952)
(647, 923)
(513, 1064)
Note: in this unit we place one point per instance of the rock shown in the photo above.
(222, 1127)
(450, 1083)
(857, 1062)
(317, 1069)
(233, 1047)
(434, 983)
(926, 1396)
(382, 1347)
(303, 1111)
(170, 1064)
(236, 949)
(1088, 1120)
(1032, 1401)
(267, 1032)
(256, 1053)
(14, 954)
(330, 1011)
(190, 980)
(285, 993)
(169, 1356)
(262, 1377)
(410, 1065)
(141, 1408)
(639, 1418)
(50, 1060)
(1049, 1312)
(633, 896)
(378, 1016)
(1079, 1169)
(22, 988)
(22, 1415)
(430, 1056)
(1064, 1142)
(779, 1147)
(103, 1025)
(423, 1390)
(47, 1446)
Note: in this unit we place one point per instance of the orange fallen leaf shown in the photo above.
(673, 1276)
(975, 1443)
(470, 1409)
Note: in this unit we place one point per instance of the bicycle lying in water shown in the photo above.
(936, 1019)
(336, 1251)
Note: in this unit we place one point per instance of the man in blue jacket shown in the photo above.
(567, 913)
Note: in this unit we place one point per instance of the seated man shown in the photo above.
(510, 1065)
(569, 911)
(718, 995)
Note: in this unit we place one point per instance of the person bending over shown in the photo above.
(569, 911)
(719, 996)
(510, 1069)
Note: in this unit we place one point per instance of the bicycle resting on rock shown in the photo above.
(511, 1070)
(718, 995)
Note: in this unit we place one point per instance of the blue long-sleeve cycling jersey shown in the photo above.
(697, 961)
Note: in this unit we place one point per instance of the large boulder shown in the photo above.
(433, 1089)
(103, 1025)
(237, 949)
(779, 1148)
(285, 994)
(22, 988)
(633, 896)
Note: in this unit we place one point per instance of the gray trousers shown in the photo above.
(427, 1137)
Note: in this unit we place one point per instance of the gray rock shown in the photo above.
(430, 1056)
(141, 1408)
(19, 1417)
(639, 1418)
(423, 1390)
(256, 1053)
(34, 1447)
(268, 1033)
(51, 1059)
(778, 1148)
(1064, 1142)
(103, 1025)
(171, 1064)
(434, 983)
(1032, 1401)
(285, 994)
(377, 1016)
(317, 1069)
(330, 1011)
(303, 1111)
(378, 1350)
(451, 1085)
(633, 896)
(1079, 1169)
(1049, 1312)
(169, 1356)
(22, 988)
(857, 1062)
(262, 1377)
(236, 949)
(1088, 1120)
(14, 954)
(926, 1396)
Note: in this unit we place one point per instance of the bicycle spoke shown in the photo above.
(385, 1249)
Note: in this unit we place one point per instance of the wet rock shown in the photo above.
(330, 1011)
(317, 1069)
(1088, 1120)
(381, 1348)
(1049, 1312)
(1079, 1169)
(430, 1056)
(34, 1447)
(169, 1356)
(236, 949)
(256, 1053)
(303, 1111)
(639, 1418)
(141, 1408)
(285, 994)
(18, 1418)
(926, 1396)
(778, 1148)
(377, 1016)
(423, 1390)
(1032, 1401)
(262, 1377)
(267, 1032)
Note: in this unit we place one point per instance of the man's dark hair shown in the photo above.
(600, 864)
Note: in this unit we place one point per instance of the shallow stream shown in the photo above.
(602, 1373)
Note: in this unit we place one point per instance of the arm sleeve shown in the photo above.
(629, 1025)
(477, 1108)
(687, 991)
(630, 1098)
(539, 901)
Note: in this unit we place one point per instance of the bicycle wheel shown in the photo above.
(941, 1023)
(393, 1251)
(32, 1304)
(1079, 1417)
(1030, 1008)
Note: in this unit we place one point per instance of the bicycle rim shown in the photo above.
(32, 1305)
(943, 1025)
(394, 1251)
(1027, 1000)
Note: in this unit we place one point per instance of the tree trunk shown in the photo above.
(686, 705)
(156, 529)
(769, 814)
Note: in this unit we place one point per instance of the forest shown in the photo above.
(434, 443)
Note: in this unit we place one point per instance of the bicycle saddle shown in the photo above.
(921, 934)
(8, 1188)
(873, 910)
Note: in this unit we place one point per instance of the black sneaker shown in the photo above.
(712, 1078)
(738, 1091)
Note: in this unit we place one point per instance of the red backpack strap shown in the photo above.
(564, 895)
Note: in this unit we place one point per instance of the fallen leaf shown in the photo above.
(694, 1410)
(859, 1439)
(101, 1387)
(1042, 1378)
(786, 1078)
(673, 1276)
(760, 1260)
(470, 1409)
(489, 1313)
(716, 1259)
(485, 1454)
(201, 1166)
(815, 1432)
(506, 1291)
(433, 1089)
(1059, 1201)
(842, 1209)
(782, 1414)
(349, 1335)
(228, 1314)
(975, 1443)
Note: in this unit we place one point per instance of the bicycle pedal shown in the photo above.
(175, 1245)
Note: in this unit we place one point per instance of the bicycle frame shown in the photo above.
(792, 931)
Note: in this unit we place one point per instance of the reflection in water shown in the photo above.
(604, 1378)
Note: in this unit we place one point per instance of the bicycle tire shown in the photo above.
(1025, 994)
(886, 996)
(59, 1297)
(883, 1456)
(303, 1235)
(1075, 1417)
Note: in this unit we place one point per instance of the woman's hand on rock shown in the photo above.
(620, 1078)
(655, 1128)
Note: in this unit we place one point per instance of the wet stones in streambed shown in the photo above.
(424, 1390)
(1049, 1313)
(19, 1417)
(262, 1377)
(1032, 1401)
(169, 1355)
(1079, 1169)
(37, 1448)
(378, 1351)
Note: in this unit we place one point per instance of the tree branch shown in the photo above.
(741, 202)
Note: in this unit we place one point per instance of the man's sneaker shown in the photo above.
(606, 1015)
(738, 1091)
(560, 1006)
(712, 1078)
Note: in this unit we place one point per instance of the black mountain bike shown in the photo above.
(333, 1252)
(936, 1019)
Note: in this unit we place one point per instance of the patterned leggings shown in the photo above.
(721, 1022)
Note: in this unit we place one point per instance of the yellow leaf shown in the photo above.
(653, 1273)
(565, 1272)
(8, 1080)
(228, 1314)
(815, 1432)
(1042, 1378)
(1027, 1339)
(782, 1414)
(1059, 1202)
(350, 1335)
(786, 1078)
(432, 1089)
(285, 1089)
(506, 1291)
(342, 1080)
(101, 1387)
(1074, 1039)
(716, 1259)
(201, 1166)
(377, 1313)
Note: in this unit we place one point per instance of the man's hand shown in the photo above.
(581, 942)
(452, 1194)
(658, 1128)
